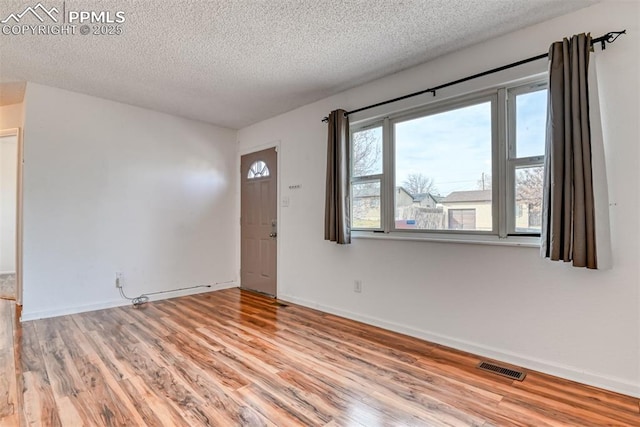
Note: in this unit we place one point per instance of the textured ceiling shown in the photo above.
(234, 63)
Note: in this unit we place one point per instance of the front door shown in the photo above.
(259, 221)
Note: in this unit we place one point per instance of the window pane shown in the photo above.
(258, 169)
(443, 164)
(366, 204)
(367, 152)
(531, 118)
(528, 209)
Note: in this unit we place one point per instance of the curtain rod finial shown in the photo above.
(610, 37)
(613, 35)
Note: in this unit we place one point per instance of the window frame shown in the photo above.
(504, 164)
(367, 178)
(433, 109)
(514, 162)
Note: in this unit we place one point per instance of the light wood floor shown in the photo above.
(234, 358)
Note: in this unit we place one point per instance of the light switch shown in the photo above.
(285, 202)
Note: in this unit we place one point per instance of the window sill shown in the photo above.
(522, 241)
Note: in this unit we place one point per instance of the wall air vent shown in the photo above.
(501, 370)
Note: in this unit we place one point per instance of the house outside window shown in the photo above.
(469, 210)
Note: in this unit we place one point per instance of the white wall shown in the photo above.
(11, 116)
(8, 202)
(110, 187)
(497, 301)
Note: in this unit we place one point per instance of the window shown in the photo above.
(366, 177)
(472, 165)
(447, 154)
(258, 169)
(527, 126)
(366, 204)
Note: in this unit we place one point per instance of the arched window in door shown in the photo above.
(258, 169)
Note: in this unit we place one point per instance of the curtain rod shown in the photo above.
(610, 37)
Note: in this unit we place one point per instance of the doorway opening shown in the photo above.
(10, 204)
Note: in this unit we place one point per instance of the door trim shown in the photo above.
(19, 204)
(241, 152)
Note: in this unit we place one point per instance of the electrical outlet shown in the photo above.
(357, 286)
(119, 279)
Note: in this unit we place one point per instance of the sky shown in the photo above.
(531, 121)
(454, 147)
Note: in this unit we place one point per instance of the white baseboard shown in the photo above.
(45, 314)
(563, 371)
(7, 272)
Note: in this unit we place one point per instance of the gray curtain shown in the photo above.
(337, 212)
(568, 223)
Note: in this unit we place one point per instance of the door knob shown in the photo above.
(274, 228)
